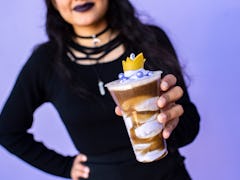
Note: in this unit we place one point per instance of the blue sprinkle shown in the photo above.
(149, 73)
(121, 76)
(140, 74)
(124, 79)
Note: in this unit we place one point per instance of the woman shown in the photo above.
(87, 41)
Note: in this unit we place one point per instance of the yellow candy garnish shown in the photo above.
(133, 64)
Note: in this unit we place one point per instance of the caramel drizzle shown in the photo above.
(155, 141)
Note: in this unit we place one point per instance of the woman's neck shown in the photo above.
(92, 36)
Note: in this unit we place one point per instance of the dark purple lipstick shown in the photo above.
(83, 7)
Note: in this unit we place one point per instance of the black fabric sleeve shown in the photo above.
(17, 117)
(188, 126)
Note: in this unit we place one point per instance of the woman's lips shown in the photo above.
(83, 7)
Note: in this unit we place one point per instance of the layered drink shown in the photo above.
(136, 93)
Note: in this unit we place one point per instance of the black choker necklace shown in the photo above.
(94, 37)
(94, 54)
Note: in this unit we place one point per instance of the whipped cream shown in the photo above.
(134, 74)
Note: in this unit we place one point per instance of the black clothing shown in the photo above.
(93, 126)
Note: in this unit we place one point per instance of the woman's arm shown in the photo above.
(17, 117)
(188, 125)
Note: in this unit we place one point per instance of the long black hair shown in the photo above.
(121, 16)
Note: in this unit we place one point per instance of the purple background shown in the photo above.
(206, 36)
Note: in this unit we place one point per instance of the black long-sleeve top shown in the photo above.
(93, 126)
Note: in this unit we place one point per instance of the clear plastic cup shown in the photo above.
(138, 102)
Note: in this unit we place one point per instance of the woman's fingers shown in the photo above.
(80, 173)
(174, 112)
(78, 169)
(170, 112)
(170, 118)
(118, 111)
(80, 158)
(172, 95)
(167, 82)
(169, 127)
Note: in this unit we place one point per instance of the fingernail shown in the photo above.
(166, 134)
(162, 117)
(85, 175)
(86, 169)
(164, 85)
(161, 101)
(84, 158)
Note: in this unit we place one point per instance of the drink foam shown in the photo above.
(119, 85)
